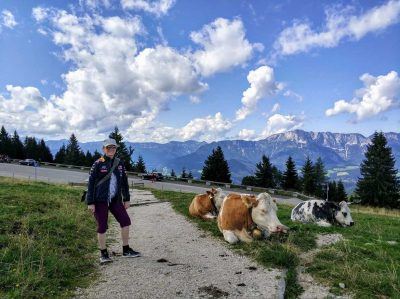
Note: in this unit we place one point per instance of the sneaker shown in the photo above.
(105, 258)
(131, 253)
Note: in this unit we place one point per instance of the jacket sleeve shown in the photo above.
(125, 185)
(92, 184)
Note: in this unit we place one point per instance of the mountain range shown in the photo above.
(342, 153)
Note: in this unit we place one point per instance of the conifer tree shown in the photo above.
(123, 152)
(31, 148)
(190, 175)
(341, 194)
(60, 155)
(173, 173)
(5, 142)
(44, 152)
(264, 175)
(96, 156)
(308, 179)
(320, 179)
(290, 176)
(332, 192)
(18, 151)
(73, 153)
(216, 168)
(378, 185)
(140, 165)
(184, 174)
(88, 159)
(249, 180)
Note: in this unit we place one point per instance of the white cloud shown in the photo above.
(279, 123)
(292, 94)
(275, 108)
(378, 95)
(262, 84)
(158, 8)
(195, 99)
(209, 128)
(111, 82)
(224, 46)
(339, 24)
(94, 4)
(246, 134)
(7, 19)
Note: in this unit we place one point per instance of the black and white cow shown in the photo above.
(323, 213)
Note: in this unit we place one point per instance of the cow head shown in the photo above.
(219, 196)
(264, 214)
(343, 216)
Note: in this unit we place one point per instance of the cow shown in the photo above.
(323, 213)
(206, 206)
(240, 214)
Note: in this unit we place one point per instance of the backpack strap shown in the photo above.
(115, 164)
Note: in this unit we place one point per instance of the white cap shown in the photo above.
(109, 141)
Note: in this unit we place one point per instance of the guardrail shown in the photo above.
(190, 181)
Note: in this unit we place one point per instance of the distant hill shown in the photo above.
(341, 153)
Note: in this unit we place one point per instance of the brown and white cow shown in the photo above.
(240, 213)
(206, 206)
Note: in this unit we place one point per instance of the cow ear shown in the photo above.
(255, 204)
(209, 192)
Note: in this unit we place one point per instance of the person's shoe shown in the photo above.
(105, 258)
(131, 253)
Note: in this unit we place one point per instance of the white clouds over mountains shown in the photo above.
(339, 24)
(379, 94)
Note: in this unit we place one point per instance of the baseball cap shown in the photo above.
(109, 141)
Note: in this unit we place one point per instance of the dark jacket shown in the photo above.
(100, 193)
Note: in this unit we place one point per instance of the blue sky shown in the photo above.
(204, 70)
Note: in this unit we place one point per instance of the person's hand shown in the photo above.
(126, 204)
(91, 208)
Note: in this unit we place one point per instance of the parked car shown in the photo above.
(29, 162)
(5, 159)
(157, 176)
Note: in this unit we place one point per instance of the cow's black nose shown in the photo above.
(351, 223)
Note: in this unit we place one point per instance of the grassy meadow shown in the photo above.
(47, 240)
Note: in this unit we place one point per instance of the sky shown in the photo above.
(201, 70)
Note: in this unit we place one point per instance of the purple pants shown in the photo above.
(116, 208)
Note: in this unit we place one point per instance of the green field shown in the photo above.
(47, 240)
(365, 262)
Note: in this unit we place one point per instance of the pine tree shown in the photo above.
(183, 174)
(332, 193)
(5, 142)
(290, 176)
(96, 155)
(277, 176)
(216, 168)
(308, 179)
(378, 185)
(123, 152)
(31, 148)
(60, 155)
(88, 159)
(320, 179)
(73, 153)
(44, 152)
(190, 175)
(173, 173)
(140, 166)
(17, 147)
(249, 180)
(341, 194)
(264, 175)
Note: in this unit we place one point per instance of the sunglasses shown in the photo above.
(111, 147)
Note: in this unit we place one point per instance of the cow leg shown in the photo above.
(323, 223)
(244, 236)
(230, 236)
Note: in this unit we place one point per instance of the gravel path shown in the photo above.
(180, 261)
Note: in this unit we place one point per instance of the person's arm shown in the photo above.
(125, 185)
(92, 184)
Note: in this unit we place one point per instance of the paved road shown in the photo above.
(62, 175)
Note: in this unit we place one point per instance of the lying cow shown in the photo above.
(206, 206)
(323, 213)
(241, 213)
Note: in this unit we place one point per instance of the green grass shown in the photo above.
(367, 265)
(47, 240)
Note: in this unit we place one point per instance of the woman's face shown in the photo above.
(109, 150)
